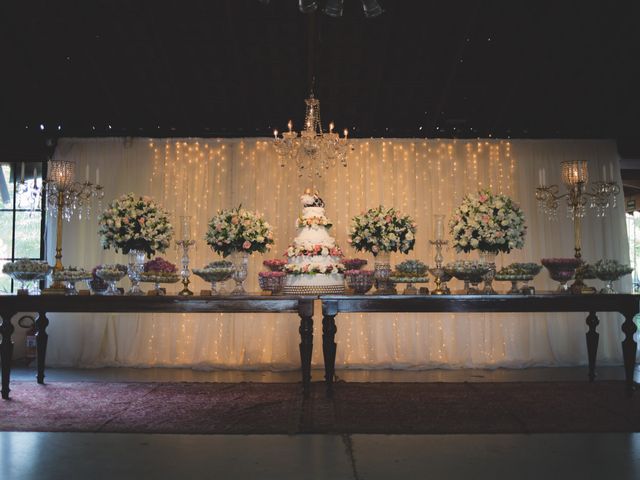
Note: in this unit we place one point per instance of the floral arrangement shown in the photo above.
(353, 263)
(313, 250)
(312, 268)
(487, 222)
(382, 230)
(316, 222)
(275, 264)
(611, 269)
(135, 223)
(238, 230)
(25, 265)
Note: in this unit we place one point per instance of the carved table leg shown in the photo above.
(629, 349)
(329, 350)
(42, 337)
(306, 348)
(6, 350)
(592, 343)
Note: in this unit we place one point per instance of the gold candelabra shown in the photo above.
(600, 195)
(66, 198)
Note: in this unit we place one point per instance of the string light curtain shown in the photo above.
(419, 177)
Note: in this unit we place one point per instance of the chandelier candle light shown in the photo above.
(185, 243)
(313, 151)
(438, 271)
(599, 195)
(65, 197)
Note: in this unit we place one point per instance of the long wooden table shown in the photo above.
(43, 304)
(625, 304)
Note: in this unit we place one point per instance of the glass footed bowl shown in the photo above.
(156, 277)
(271, 281)
(561, 270)
(217, 274)
(110, 274)
(360, 281)
(27, 276)
(467, 271)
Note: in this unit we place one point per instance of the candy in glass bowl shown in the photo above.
(71, 276)
(360, 281)
(471, 272)
(25, 270)
(561, 270)
(410, 272)
(609, 271)
(272, 281)
(112, 274)
(214, 273)
(519, 272)
(97, 285)
(159, 271)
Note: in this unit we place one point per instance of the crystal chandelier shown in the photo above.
(312, 151)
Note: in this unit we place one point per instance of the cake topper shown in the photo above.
(309, 199)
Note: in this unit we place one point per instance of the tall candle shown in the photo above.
(604, 173)
(86, 173)
(35, 175)
(544, 177)
(97, 176)
(439, 226)
(185, 226)
(22, 173)
(611, 172)
(540, 177)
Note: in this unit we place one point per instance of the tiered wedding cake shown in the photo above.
(314, 258)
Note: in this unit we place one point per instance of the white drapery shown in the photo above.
(419, 177)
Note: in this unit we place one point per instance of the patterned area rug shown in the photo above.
(242, 408)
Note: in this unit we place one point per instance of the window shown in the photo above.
(21, 216)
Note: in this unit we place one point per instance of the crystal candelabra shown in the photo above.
(599, 195)
(313, 151)
(186, 243)
(438, 271)
(65, 198)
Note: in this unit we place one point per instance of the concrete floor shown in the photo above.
(27, 455)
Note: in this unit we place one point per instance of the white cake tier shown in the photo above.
(314, 284)
(308, 212)
(314, 260)
(310, 236)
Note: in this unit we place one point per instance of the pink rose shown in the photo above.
(125, 221)
(485, 218)
(387, 218)
(375, 249)
(141, 221)
(349, 240)
(246, 245)
(483, 198)
(234, 220)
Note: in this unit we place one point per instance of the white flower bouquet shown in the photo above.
(238, 230)
(487, 222)
(382, 230)
(313, 268)
(134, 222)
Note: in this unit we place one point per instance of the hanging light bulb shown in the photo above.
(371, 8)
(333, 8)
(307, 6)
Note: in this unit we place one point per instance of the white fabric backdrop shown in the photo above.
(420, 177)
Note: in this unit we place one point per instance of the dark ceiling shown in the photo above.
(242, 68)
